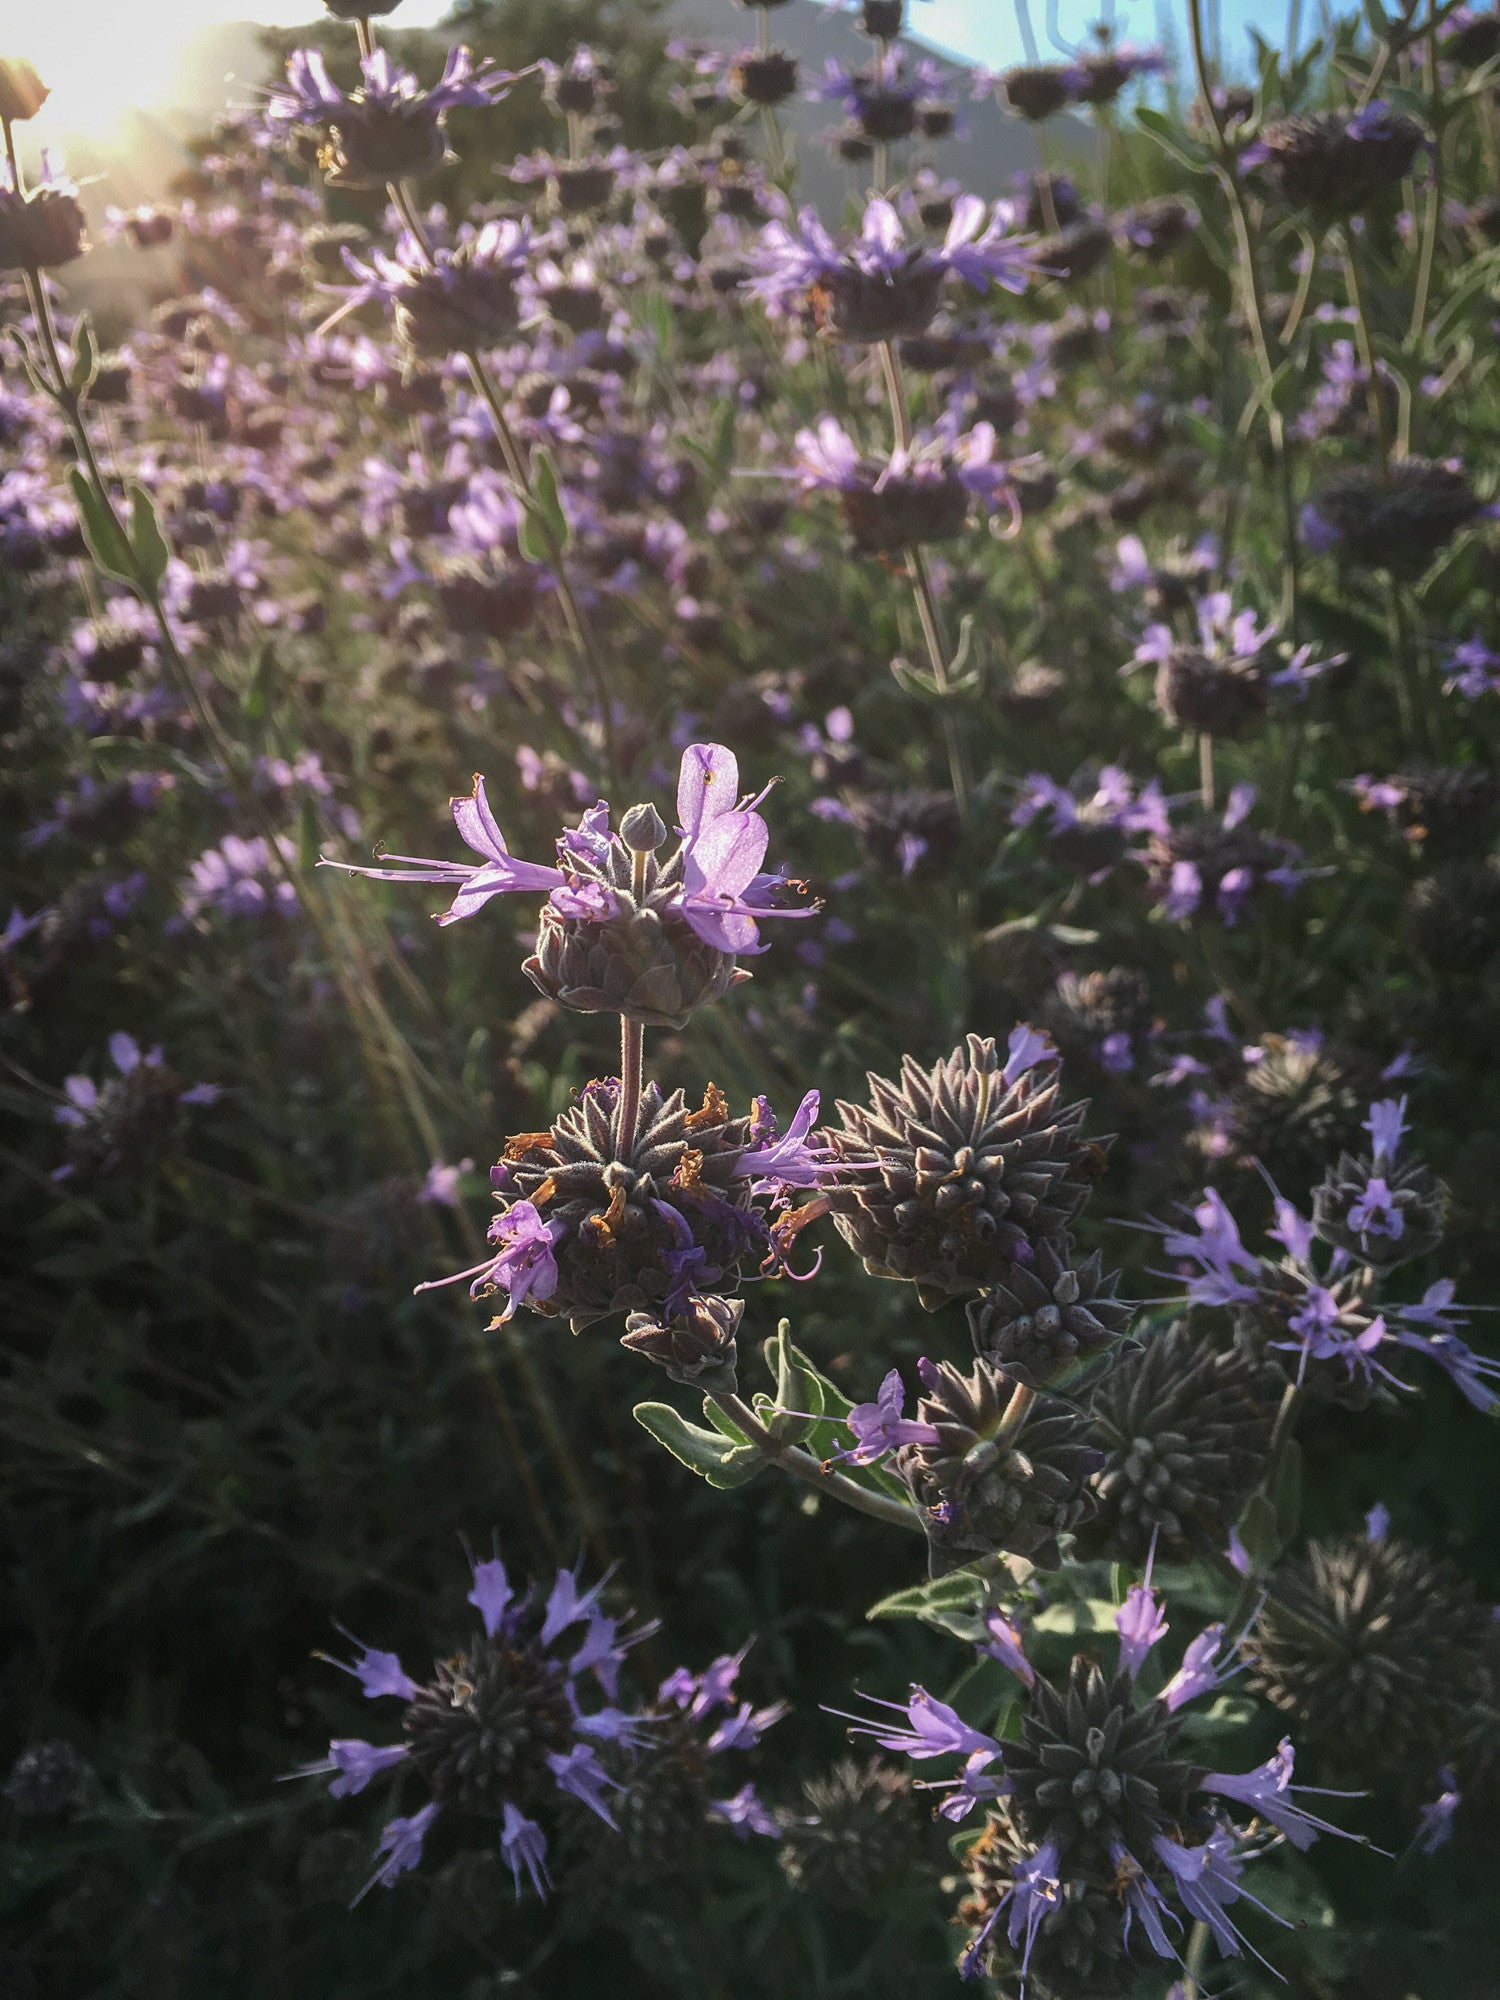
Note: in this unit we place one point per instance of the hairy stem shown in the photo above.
(519, 470)
(802, 1465)
(1374, 394)
(1254, 304)
(927, 607)
(632, 1046)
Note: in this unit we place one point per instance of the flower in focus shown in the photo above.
(622, 931)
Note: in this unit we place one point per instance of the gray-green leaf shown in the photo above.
(101, 530)
(714, 1457)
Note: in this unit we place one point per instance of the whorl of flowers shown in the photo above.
(953, 1174)
(1444, 810)
(1399, 524)
(449, 300)
(1220, 685)
(1210, 866)
(881, 286)
(112, 1127)
(43, 228)
(1338, 162)
(669, 1799)
(1093, 1801)
(596, 1221)
(510, 1721)
(923, 492)
(623, 931)
(390, 127)
(1321, 1320)
(1377, 1208)
(1088, 822)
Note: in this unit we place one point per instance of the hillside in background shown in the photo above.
(224, 66)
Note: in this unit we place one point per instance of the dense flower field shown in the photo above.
(867, 1367)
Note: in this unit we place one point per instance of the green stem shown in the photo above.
(1374, 394)
(632, 1050)
(926, 600)
(1410, 695)
(1255, 310)
(1252, 1588)
(802, 1465)
(519, 469)
(1432, 212)
(1304, 290)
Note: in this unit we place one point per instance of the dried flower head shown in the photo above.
(1379, 1652)
(1003, 1471)
(1183, 1428)
(956, 1172)
(1047, 1316)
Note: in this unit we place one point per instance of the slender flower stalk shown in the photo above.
(1253, 299)
(927, 607)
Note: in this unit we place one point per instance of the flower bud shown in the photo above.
(1183, 1428)
(22, 92)
(642, 829)
(1034, 90)
(882, 19)
(1047, 1314)
(766, 79)
(1378, 1651)
(696, 1347)
(989, 1482)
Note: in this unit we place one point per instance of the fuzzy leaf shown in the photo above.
(102, 532)
(939, 1602)
(146, 538)
(1171, 138)
(799, 1392)
(1259, 1534)
(710, 1454)
(85, 357)
(544, 532)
